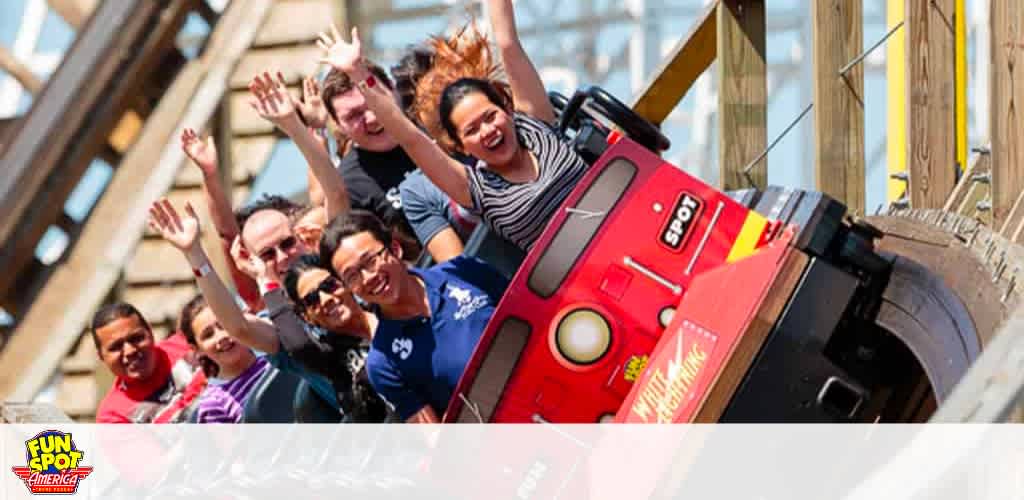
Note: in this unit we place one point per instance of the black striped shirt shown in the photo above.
(519, 212)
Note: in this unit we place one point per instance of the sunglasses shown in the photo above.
(284, 246)
(329, 285)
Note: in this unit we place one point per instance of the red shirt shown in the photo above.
(161, 398)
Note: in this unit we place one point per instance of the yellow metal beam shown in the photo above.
(896, 78)
(960, 33)
(688, 60)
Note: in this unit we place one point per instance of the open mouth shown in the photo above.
(136, 364)
(374, 129)
(225, 344)
(380, 286)
(495, 141)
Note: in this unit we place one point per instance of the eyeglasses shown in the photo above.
(284, 247)
(329, 285)
(353, 277)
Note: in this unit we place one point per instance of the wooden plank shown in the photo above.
(93, 266)
(64, 133)
(295, 22)
(160, 304)
(1014, 223)
(246, 121)
(688, 60)
(155, 261)
(25, 77)
(838, 37)
(76, 394)
(63, 107)
(294, 63)
(751, 341)
(978, 163)
(742, 95)
(29, 413)
(931, 118)
(74, 12)
(83, 359)
(1007, 97)
(252, 153)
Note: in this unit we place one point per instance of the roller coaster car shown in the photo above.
(747, 306)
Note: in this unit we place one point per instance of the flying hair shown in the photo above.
(464, 55)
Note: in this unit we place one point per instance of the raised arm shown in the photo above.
(271, 100)
(528, 94)
(314, 113)
(182, 231)
(447, 173)
(204, 155)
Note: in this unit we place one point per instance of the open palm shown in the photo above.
(270, 98)
(312, 104)
(180, 231)
(341, 55)
(203, 153)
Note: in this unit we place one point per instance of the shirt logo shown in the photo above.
(402, 346)
(468, 304)
(394, 197)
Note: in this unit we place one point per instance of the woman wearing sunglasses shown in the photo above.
(315, 297)
(285, 337)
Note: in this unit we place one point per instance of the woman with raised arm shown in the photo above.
(285, 334)
(525, 170)
(210, 335)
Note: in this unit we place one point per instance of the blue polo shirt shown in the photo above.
(417, 362)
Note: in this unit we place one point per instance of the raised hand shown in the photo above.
(339, 54)
(202, 153)
(272, 101)
(243, 259)
(180, 231)
(312, 105)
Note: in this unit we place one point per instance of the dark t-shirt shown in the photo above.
(372, 181)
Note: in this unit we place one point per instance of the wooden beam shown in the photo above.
(931, 108)
(25, 77)
(838, 35)
(75, 119)
(94, 265)
(1007, 109)
(743, 89)
(678, 72)
(74, 12)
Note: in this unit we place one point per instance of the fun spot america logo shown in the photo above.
(54, 464)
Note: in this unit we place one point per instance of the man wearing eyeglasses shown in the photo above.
(430, 320)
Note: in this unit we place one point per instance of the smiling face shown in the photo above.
(269, 236)
(213, 341)
(360, 124)
(333, 307)
(485, 130)
(370, 269)
(126, 347)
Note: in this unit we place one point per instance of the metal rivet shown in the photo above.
(658, 208)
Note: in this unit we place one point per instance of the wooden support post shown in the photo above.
(74, 12)
(1007, 95)
(25, 77)
(688, 60)
(743, 92)
(838, 34)
(931, 118)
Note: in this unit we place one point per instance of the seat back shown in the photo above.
(271, 401)
(309, 408)
(500, 253)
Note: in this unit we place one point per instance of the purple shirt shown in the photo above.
(224, 403)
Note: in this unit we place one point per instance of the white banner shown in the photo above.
(623, 462)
